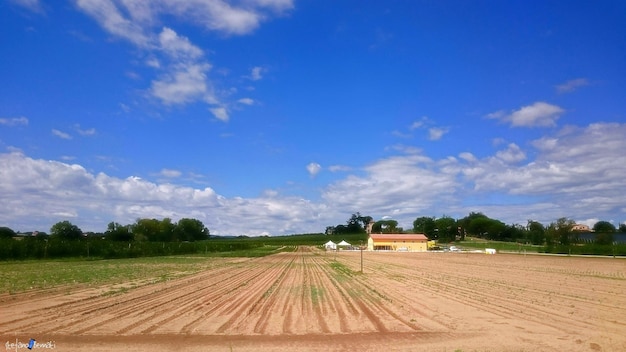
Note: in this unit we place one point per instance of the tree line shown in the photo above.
(153, 230)
(447, 229)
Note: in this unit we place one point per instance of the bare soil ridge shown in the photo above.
(317, 301)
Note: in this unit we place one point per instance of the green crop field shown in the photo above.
(20, 276)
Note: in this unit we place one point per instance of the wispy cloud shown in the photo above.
(539, 114)
(220, 113)
(14, 121)
(572, 85)
(170, 173)
(85, 132)
(31, 5)
(435, 133)
(257, 73)
(246, 101)
(61, 134)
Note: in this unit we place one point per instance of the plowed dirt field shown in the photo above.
(310, 300)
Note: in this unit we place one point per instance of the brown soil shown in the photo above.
(315, 301)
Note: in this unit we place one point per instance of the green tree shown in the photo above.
(118, 232)
(66, 230)
(485, 227)
(561, 232)
(604, 227)
(604, 232)
(446, 229)
(191, 230)
(6, 232)
(536, 232)
(622, 227)
(426, 226)
(465, 224)
(385, 226)
(146, 230)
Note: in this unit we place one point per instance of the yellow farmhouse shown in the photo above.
(397, 242)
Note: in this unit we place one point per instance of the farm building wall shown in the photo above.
(404, 242)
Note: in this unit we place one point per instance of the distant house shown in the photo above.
(581, 228)
(398, 242)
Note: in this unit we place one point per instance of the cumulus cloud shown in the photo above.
(572, 85)
(182, 75)
(14, 121)
(178, 47)
(313, 169)
(512, 154)
(539, 114)
(61, 134)
(184, 84)
(575, 172)
(38, 193)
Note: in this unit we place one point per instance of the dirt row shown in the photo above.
(314, 300)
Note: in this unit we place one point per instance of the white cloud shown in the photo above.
(182, 76)
(85, 132)
(435, 133)
(108, 14)
(185, 84)
(419, 123)
(512, 154)
(221, 113)
(61, 134)
(14, 121)
(539, 114)
(178, 47)
(467, 156)
(246, 101)
(170, 173)
(257, 73)
(575, 172)
(339, 168)
(31, 5)
(313, 169)
(572, 85)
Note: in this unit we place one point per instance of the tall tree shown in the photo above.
(6, 232)
(66, 230)
(425, 225)
(118, 232)
(385, 226)
(604, 227)
(536, 232)
(446, 228)
(191, 230)
(561, 232)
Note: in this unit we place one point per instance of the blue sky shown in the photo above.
(279, 116)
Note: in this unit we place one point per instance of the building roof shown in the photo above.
(399, 237)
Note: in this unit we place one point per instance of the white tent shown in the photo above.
(344, 244)
(330, 245)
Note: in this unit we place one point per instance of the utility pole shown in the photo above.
(361, 247)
